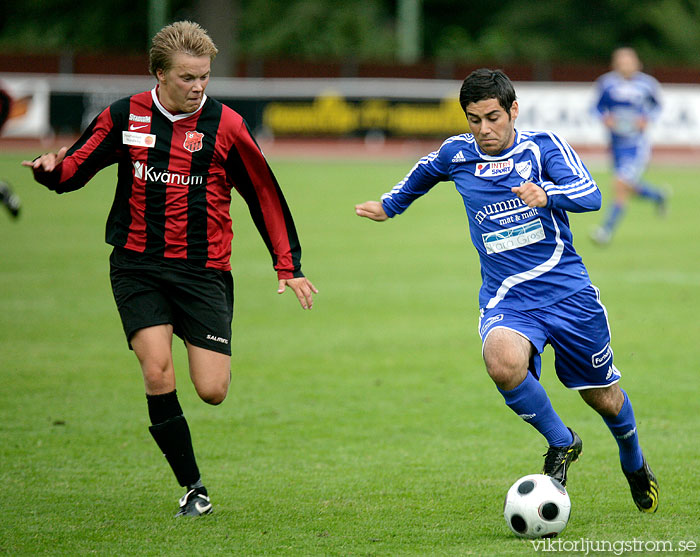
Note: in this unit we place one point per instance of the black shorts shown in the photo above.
(196, 301)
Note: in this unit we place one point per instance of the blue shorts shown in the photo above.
(576, 327)
(631, 161)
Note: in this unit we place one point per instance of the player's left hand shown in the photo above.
(531, 194)
(48, 161)
(302, 288)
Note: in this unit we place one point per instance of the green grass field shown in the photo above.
(366, 426)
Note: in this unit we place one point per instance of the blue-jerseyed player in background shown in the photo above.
(517, 188)
(627, 100)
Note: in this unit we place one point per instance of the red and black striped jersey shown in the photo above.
(175, 175)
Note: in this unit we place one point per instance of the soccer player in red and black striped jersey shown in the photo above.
(179, 155)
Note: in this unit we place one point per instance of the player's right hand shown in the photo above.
(371, 210)
(531, 194)
(302, 287)
(48, 161)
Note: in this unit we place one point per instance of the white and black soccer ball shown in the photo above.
(537, 506)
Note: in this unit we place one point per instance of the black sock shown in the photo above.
(163, 407)
(172, 435)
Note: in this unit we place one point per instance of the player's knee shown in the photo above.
(213, 398)
(607, 401)
(505, 370)
(213, 393)
(507, 379)
(157, 375)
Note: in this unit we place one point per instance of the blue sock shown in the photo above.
(647, 191)
(529, 400)
(624, 429)
(614, 214)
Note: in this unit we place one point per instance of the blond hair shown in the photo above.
(187, 37)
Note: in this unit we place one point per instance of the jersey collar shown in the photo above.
(168, 114)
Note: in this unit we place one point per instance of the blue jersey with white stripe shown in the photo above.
(526, 254)
(627, 100)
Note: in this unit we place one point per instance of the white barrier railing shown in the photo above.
(403, 106)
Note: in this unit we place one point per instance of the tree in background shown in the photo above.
(662, 31)
(316, 29)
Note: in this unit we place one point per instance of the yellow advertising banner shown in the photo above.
(332, 114)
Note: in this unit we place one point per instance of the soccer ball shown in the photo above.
(537, 506)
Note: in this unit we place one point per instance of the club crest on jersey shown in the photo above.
(193, 141)
(496, 168)
(524, 169)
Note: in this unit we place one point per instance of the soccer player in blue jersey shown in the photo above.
(517, 188)
(627, 100)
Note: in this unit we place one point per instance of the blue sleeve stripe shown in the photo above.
(568, 188)
(571, 195)
(581, 188)
(426, 160)
(581, 183)
(556, 190)
(572, 159)
(579, 162)
(589, 191)
(578, 184)
(397, 188)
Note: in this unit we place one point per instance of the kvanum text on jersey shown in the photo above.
(144, 172)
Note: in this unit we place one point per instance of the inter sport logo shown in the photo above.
(497, 168)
